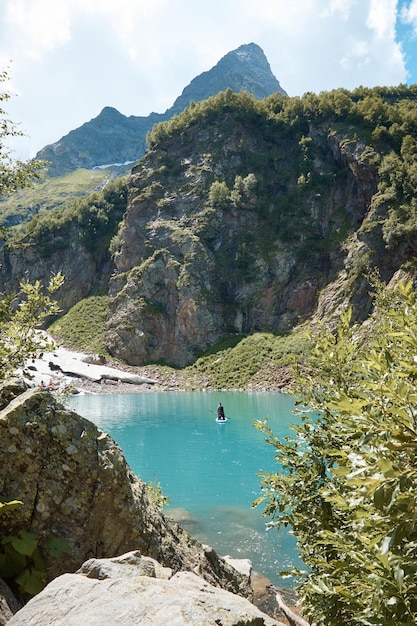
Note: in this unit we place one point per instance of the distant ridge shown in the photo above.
(112, 137)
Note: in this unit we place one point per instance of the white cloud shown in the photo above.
(38, 26)
(338, 6)
(409, 15)
(382, 17)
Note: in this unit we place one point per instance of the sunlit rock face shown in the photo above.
(132, 589)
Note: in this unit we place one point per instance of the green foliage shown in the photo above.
(83, 326)
(347, 483)
(155, 494)
(51, 193)
(236, 360)
(205, 111)
(14, 174)
(117, 240)
(219, 195)
(20, 315)
(21, 561)
(93, 221)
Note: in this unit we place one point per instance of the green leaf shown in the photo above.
(31, 580)
(385, 465)
(12, 504)
(58, 546)
(399, 577)
(25, 544)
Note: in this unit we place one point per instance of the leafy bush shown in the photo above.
(93, 221)
(347, 483)
(154, 490)
(20, 315)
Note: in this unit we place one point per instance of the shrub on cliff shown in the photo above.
(93, 221)
(21, 313)
(348, 483)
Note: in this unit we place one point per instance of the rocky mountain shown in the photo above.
(245, 69)
(114, 138)
(243, 216)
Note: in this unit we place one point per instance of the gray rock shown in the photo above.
(118, 593)
(129, 565)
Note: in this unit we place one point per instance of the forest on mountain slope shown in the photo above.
(385, 119)
(283, 185)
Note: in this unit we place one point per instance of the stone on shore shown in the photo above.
(66, 365)
(134, 591)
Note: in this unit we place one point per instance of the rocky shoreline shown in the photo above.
(170, 381)
(65, 368)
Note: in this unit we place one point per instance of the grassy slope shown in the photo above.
(82, 328)
(235, 362)
(53, 192)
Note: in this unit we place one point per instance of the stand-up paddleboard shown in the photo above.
(221, 418)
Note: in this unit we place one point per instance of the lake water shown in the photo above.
(208, 470)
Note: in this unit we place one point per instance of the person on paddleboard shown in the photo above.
(220, 412)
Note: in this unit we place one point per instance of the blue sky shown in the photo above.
(70, 58)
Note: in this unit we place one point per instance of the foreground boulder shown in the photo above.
(133, 590)
(76, 485)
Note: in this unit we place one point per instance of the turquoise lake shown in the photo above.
(208, 470)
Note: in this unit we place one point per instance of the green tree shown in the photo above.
(20, 317)
(20, 314)
(14, 174)
(219, 194)
(348, 479)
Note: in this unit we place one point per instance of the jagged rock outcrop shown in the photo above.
(194, 266)
(8, 604)
(133, 591)
(76, 485)
(84, 273)
(245, 69)
(112, 137)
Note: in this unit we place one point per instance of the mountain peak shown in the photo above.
(111, 137)
(243, 69)
(250, 53)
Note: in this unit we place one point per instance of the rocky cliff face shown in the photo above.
(243, 216)
(217, 242)
(84, 273)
